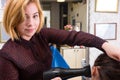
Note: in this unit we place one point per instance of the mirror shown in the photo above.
(72, 12)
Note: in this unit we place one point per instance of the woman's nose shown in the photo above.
(30, 22)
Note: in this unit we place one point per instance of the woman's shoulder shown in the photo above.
(9, 46)
(12, 49)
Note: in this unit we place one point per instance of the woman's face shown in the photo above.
(30, 25)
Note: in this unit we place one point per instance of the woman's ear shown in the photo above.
(95, 73)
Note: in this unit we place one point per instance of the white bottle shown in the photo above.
(77, 28)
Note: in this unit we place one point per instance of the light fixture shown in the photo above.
(60, 0)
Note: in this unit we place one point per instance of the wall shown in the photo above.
(55, 13)
(53, 7)
(1, 44)
(1, 16)
(1, 13)
(97, 17)
(78, 11)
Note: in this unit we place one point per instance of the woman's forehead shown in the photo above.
(31, 8)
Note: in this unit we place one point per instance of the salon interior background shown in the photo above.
(60, 14)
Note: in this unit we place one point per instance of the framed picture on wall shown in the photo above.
(2, 3)
(106, 31)
(3, 35)
(106, 5)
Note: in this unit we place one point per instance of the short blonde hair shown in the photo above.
(14, 15)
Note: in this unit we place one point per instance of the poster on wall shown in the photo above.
(106, 5)
(106, 31)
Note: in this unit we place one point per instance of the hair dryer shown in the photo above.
(66, 73)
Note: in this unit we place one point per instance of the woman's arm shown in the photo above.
(71, 38)
(112, 51)
(7, 70)
(81, 38)
(57, 78)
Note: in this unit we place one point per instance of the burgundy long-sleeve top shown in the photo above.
(26, 60)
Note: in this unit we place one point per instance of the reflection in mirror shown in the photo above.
(72, 12)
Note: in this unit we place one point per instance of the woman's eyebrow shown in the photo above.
(36, 13)
(33, 13)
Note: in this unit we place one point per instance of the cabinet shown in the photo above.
(73, 56)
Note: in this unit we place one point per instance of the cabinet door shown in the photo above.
(70, 57)
(74, 57)
(80, 55)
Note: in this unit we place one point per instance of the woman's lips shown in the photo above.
(29, 30)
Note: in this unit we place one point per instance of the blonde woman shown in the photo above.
(26, 55)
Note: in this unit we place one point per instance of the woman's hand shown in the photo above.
(57, 78)
(112, 51)
(68, 27)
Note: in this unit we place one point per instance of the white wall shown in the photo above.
(97, 17)
(1, 44)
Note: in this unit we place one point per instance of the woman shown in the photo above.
(27, 54)
(106, 68)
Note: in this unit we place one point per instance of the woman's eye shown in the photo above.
(35, 16)
(26, 17)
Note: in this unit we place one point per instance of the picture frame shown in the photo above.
(107, 31)
(3, 35)
(2, 3)
(106, 6)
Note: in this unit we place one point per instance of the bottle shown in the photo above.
(77, 28)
